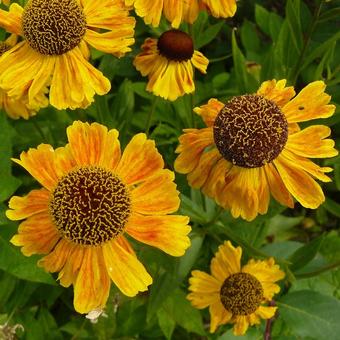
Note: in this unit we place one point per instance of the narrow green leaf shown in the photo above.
(332, 207)
(166, 322)
(208, 35)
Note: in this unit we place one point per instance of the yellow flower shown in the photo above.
(56, 34)
(168, 62)
(6, 2)
(235, 294)
(253, 147)
(92, 198)
(177, 11)
(16, 108)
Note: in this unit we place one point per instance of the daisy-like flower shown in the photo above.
(56, 34)
(168, 62)
(176, 11)
(92, 197)
(253, 147)
(235, 294)
(18, 108)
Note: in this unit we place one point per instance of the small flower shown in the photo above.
(178, 11)
(18, 108)
(168, 62)
(92, 198)
(253, 147)
(54, 50)
(235, 294)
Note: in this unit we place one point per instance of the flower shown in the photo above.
(178, 11)
(233, 293)
(168, 62)
(253, 147)
(92, 197)
(6, 2)
(16, 108)
(54, 50)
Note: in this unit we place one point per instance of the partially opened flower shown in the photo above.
(18, 108)
(235, 294)
(253, 147)
(169, 63)
(56, 34)
(176, 11)
(92, 198)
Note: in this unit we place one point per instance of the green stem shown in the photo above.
(150, 114)
(307, 39)
(319, 271)
(215, 60)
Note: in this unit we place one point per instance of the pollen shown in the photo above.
(90, 205)
(53, 27)
(241, 294)
(250, 131)
(3, 48)
(176, 45)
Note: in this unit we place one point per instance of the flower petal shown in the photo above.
(266, 312)
(92, 286)
(11, 20)
(33, 203)
(157, 195)
(221, 8)
(241, 325)
(93, 144)
(200, 61)
(218, 315)
(209, 111)
(36, 235)
(125, 270)
(205, 289)
(168, 233)
(310, 103)
(227, 261)
(140, 160)
(276, 91)
(40, 164)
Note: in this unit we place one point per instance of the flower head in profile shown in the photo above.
(169, 63)
(54, 51)
(253, 147)
(180, 11)
(18, 108)
(235, 294)
(93, 197)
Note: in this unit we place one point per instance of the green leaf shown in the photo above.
(294, 23)
(310, 314)
(166, 323)
(305, 254)
(208, 35)
(332, 207)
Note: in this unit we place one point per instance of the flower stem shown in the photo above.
(150, 114)
(267, 332)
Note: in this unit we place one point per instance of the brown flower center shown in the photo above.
(90, 205)
(241, 294)
(53, 27)
(176, 45)
(3, 47)
(250, 131)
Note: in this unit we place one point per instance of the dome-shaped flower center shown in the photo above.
(3, 48)
(90, 205)
(241, 294)
(53, 27)
(176, 45)
(250, 131)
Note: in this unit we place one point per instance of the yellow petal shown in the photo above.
(227, 261)
(209, 111)
(157, 195)
(92, 287)
(140, 160)
(125, 270)
(11, 20)
(241, 325)
(218, 315)
(266, 312)
(276, 91)
(200, 61)
(33, 203)
(168, 233)
(149, 10)
(221, 8)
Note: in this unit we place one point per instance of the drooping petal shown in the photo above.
(265, 312)
(310, 103)
(33, 203)
(125, 270)
(157, 195)
(140, 160)
(11, 20)
(149, 10)
(204, 289)
(311, 142)
(36, 235)
(40, 164)
(209, 111)
(221, 8)
(92, 286)
(241, 325)
(227, 261)
(168, 233)
(192, 144)
(218, 315)
(276, 91)
(93, 144)
(200, 61)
